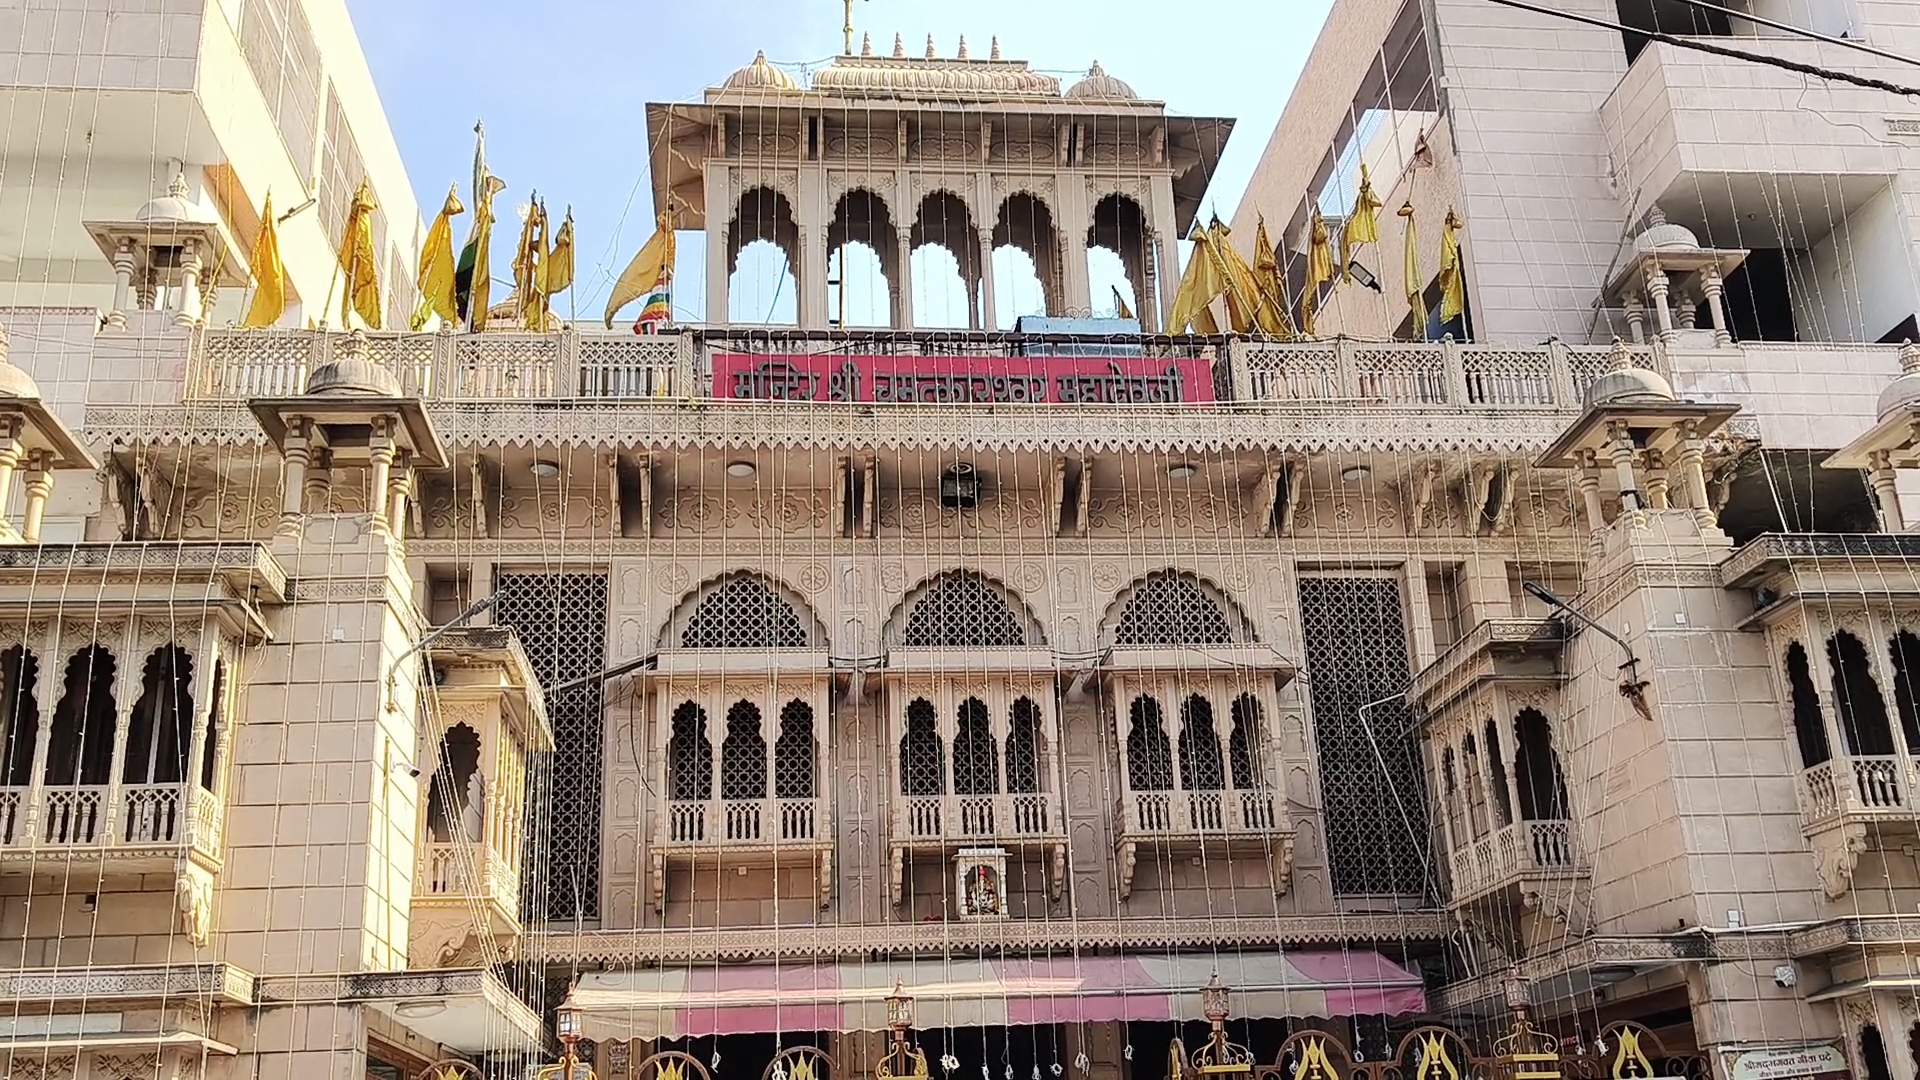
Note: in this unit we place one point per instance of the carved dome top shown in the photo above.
(352, 374)
(14, 383)
(761, 76)
(1662, 235)
(1625, 384)
(902, 76)
(1100, 86)
(1905, 389)
(173, 208)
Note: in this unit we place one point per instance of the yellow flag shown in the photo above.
(1453, 287)
(527, 271)
(1362, 226)
(1244, 309)
(1271, 285)
(269, 275)
(360, 261)
(1319, 271)
(1199, 286)
(1120, 308)
(648, 269)
(1416, 289)
(437, 267)
(558, 266)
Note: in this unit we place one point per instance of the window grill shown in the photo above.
(1023, 748)
(923, 763)
(1376, 818)
(793, 766)
(1149, 756)
(976, 764)
(960, 609)
(1171, 608)
(1243, 745)
(743, 756)
(689, 755)
(561, 620)
(744, 612)
(1200, 768)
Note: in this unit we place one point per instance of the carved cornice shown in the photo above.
(134, 982)
(1474, 659)
(1783, 551)
(1023, 936)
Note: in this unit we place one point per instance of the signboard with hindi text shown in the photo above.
(962, 380)
(1822, 1060)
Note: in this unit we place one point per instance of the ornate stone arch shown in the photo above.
(743, 609)
(763, 209)
(963, 609)
(1175, 607)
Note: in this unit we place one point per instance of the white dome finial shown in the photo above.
(866, 44)
(962, 54)
(899, 47)
(931, 54)
(996, 48)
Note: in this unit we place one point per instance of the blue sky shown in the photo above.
(562, 87)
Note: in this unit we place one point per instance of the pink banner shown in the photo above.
(963, 380)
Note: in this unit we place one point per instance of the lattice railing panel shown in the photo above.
(963, 610)
(1508, 376)
(1173, 609)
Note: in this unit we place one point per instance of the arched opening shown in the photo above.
(743, 755)
(1172, 608)
(19, 682)
(946, 263)
(456, 799)
(1244, 758)
(923, 764)
(1200, 765)
(1112, 294)
(1906, 669)
(161, 728)
(1543, 787)
(1026, 223)
(763, 247)
(1862, 711)
(743, 611)
(1017, 291)
(1149, 754)
(1119, 230)
(216, 725)
(689, 756)
(863, 252)
(1024, 775)
(1476, 787)
(1873, 1053)
(1809, 730)
(80, 745)
(976, 758)
(1496, 760)
(793, 763)
(964, 609)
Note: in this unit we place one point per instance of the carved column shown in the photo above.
(1693, 473)
(989, 304)
(720, 208)
(39, 486)
(379, 470)
(399, 490)
(53, 666)
(122, 285)
(1620, 449)
(10, 453)
(1590, 491)
(1637, 322)
(319, 486)
(131, 651)
(1886, 492)
(1686, 310)
(902, 284)
(293, 477)
(1657, 480)
(189, 314)
(1657, 287)
(206, 657)
(1715, 291)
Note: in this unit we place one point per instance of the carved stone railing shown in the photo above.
(462, 871)
(88, 817)
(1145, 815)
(1506, 856)
(718, 824)
(1858, 787)
(1551, 376)
(1000, 818)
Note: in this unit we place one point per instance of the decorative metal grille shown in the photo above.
(1200, 768)
(743, 756)
(561, 620)
(1171, 608)
(744, 612)
(923, 763)
(1243, 746)
(961, 609)
(1149, 755)
(689, 755)
(1376, 819)
(793, 766)
(1023, 748)
(976, 760)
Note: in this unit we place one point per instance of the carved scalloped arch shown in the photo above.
(1122, 623)
(1017, 610)
(788, 620)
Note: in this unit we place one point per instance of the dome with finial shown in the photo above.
(761, 76)
(173, 208)
(1662, 235)
(1905, 388)
(353, 374)
(931, 76)
(866, 44)
(1100, 86)
(1624, 384)
(14, 383)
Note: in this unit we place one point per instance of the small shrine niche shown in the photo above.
(980, 883)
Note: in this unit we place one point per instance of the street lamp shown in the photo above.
(566, 1025)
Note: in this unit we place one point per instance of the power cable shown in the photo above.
(1811, 35)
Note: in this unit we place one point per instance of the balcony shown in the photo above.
(936, 821)
(745, 833)
(1522, 855)
(1226, 822)
(231, 580)
(462, 874)
(1862, 789)
(141, 828)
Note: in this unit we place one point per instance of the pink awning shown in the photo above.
(727, 1000)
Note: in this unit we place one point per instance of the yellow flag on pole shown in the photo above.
(1120, 308)
(1271, 285)
(269, 274)
(1453, 288)
(437, 267)
(649, 271)
(1319, 271)
(1202, 283)
(360, 261)
(1416, 288)
(1362, 225)
(559, 263)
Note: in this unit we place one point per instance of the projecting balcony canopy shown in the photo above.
(231, 580)
(676, 1002)
(1495, 650)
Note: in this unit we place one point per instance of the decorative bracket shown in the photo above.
(898, 879)
(1837, 853)
(659, 882)
(824, 872)
(1057, 876)
(1283, 868)
(1127, 856)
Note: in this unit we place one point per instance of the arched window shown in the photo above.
(1243, 746)
(962, 609)
(1023, 748)
(80, 745)
(456, 801)
(976, 760)
(1200, 766)
(161, 728)
(1873, 1053)
(1497, 762)
(744, 612)
(1906, 672)
(20, 712)
(1809, 731)
(1149, 756)
(1450, 786)
(923, 760)
(1862, 711)
(1543, 788)
(689, 756)
(1476, 787)
(793, 768)
(216, 723)
(743, 754)
(1170, 608)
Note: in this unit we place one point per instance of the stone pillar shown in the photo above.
(1686, 310)
(1657, 480)
(293, 478)
(1620, 449)
(1693, 474)
(1715, 292)
(10, 454)
(379, 473)
(1637, 322)
(1166, 240)
(189, 314)
(720, 207)
(902, 282)
(399, 489)
(122, 284)
(1886, 493)
(1589, 483)
(989, 303)
(39, 486)
(810, 276)
(319, 484)
(1074, 219)
(1657, 296)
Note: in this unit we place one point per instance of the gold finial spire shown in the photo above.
(846, 29)
(931, 54)
(996, 48)
(963, 47)
(866, 44)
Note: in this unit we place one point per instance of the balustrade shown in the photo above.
(743, 822)
(977, 818)
(467, 870)
(147, 815)
(1867, 786)
(1181, 813)
(1508, 854)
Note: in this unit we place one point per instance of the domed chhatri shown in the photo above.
(1100, 86)
(1625, 384)
(1662, 235)
(353, 375)
(1904, 390)
(761, 76)
(173, 208)
(15, 384)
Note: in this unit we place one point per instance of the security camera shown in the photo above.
(403, 767)
(1784, 976)
(413, 773)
